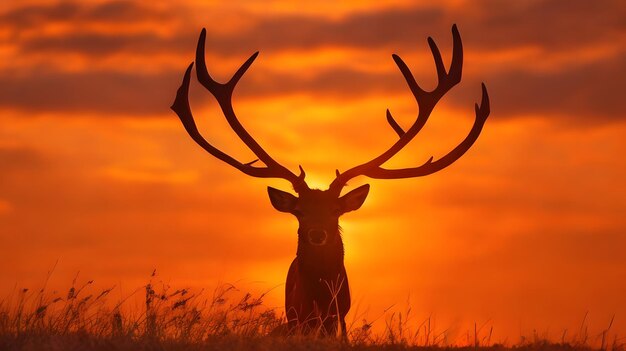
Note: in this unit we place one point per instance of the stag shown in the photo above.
(317, 295)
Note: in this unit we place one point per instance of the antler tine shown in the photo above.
(482, 112)
(223, 94)
(426, 101)
(183, 110)
(396, 127)
(205, 78)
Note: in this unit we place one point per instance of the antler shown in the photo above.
(426, 101)
(223, 93)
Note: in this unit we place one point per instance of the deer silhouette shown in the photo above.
(317, 295)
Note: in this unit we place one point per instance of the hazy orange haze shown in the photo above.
(526, 231)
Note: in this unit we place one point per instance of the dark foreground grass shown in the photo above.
(224, 319)
(78, 341)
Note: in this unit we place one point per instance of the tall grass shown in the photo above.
(86, 318)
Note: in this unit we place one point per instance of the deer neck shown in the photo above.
(321, 261)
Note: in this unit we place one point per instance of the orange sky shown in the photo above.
(526, 231)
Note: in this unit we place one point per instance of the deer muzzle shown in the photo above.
(317, 236)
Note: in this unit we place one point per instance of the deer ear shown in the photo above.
(281, 200)
(354, 199)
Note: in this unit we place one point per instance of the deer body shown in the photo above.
(317, 295)
(316, 300)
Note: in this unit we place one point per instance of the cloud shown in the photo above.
(113, 12)
(103, 93)
(491, 24)
(19, 159)
(574, 91)
(585, 95)
(32, 15)
(588, 95)
(553, 25)
(103, 44)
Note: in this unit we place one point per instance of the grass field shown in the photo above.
(84, 318)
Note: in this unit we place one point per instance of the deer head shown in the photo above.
(318, 215)
(318, 211)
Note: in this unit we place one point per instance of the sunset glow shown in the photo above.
(527, 231)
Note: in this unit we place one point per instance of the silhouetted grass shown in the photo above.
(225, 319)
